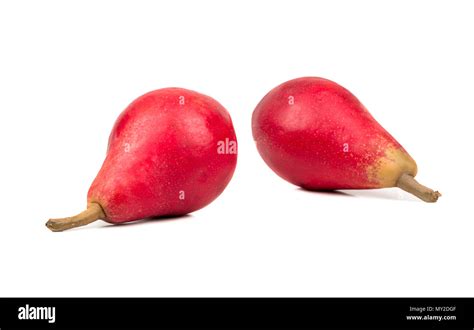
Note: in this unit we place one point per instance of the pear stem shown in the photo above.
(408, 183)
(93, 212)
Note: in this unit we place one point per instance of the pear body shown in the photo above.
(316, 134)
(171, 152)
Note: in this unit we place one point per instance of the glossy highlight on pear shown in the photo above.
(317, 135)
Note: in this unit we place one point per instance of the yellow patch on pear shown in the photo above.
(388, 168)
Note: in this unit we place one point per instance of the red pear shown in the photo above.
(171, 152)
(315, 134)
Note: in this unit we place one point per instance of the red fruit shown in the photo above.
(171, 152)
(315, 134)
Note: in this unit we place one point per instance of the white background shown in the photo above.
(68, 68)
